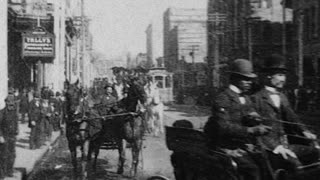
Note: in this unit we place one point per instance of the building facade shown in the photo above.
(153, 44)
(185, 50)
(184, 37)
(306, 19)
(69, 44)
(150, 46)
(246, 29)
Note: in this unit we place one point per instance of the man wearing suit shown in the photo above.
(231, 107)
(278, 114)
(35, 122)
(8, 133)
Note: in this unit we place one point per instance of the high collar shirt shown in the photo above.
(274, 96)
(238, 91)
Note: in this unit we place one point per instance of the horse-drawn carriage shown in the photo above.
(90, 126)
(193, 160)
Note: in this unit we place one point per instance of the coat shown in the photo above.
(273, 115)
(226, 121)
(108, 105)
(34, 112)
(8, 123)
(24, 103)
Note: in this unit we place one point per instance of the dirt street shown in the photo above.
(155, 160)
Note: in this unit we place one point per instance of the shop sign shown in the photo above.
(38, 43)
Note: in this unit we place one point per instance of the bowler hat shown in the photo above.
(242, 67)
(275, 62)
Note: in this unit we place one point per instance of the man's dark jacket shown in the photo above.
(225, 128)
(273, 117)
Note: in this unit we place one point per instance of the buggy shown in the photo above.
(193, 160)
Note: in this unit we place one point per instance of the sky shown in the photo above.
(118, 26)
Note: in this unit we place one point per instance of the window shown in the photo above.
(168, 81)
(159, 80)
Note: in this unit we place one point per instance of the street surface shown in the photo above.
(155, 161)
(156, 157)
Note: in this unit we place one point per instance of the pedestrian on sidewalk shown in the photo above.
(55, 114)
(8, 133)
(46, 119)
(35, 122)
(24, 104)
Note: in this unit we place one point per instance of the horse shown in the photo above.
(154, 109)
(128, 125)
(76, 127)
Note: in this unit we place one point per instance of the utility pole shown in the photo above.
(250, 47)
(300, 47)
(216, 19)
(3, 51)
(284, 29)
(82, 43)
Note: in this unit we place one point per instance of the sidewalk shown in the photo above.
(26, 159)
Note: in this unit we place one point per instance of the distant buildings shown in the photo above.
(184, 37)
(185, 48)
(141, 60)
(150, 46)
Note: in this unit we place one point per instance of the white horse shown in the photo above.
(154, 109)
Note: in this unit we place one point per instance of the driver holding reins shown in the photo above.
(274, 106)
(225, 129)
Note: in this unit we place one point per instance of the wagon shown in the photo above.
(193, 160)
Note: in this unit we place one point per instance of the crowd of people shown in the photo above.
(42, 111)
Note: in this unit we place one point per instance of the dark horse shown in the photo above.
(76, 127)
(128, 126)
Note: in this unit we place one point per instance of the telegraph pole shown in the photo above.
(300, 47)
(3, 51)
(216, 19)
(284, 38)
(82, 43)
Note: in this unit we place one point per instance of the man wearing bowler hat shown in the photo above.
(225, 128)
(274, 106)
